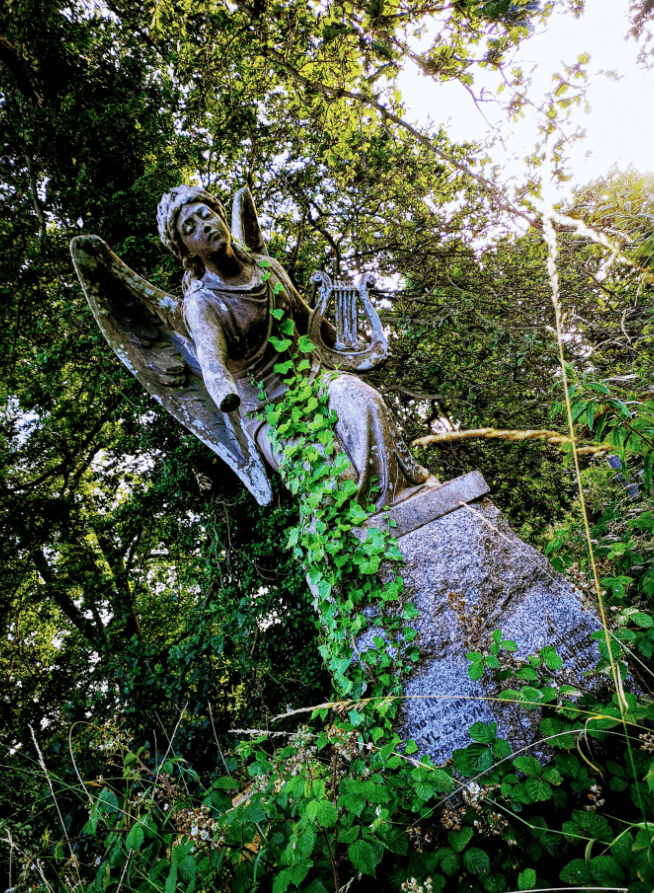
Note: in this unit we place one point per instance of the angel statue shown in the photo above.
(207, 358)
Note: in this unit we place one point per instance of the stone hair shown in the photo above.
(168, 211)
(167, 215)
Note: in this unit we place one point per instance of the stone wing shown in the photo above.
(145, 328)
(245, 222)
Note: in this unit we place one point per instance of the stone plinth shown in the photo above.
(470, 554)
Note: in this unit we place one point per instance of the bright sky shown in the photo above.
(621, 122)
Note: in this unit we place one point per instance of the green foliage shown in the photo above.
(345, 799)
(132, 565)
(349, 799)
(340, 559)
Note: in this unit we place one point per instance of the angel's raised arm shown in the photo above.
(211, 346)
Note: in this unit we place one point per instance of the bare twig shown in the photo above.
(72, 756)
(170, 740)
(73, 857)
(215, 735)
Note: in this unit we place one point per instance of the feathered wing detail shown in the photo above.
(245, 222)
(146, 329)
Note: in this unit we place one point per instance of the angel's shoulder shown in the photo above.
(198, 296)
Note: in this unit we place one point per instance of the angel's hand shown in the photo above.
(220, 384)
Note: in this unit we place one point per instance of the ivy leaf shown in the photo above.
(341, 464)
(356, 515)
(305, 345)
(283, 368)
(362, 856)
(281, 346)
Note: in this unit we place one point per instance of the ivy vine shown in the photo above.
(341, 559)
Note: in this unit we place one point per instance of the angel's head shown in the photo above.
(193, 226)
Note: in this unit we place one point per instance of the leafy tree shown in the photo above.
(138, 581)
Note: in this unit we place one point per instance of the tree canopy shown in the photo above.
(139, 580)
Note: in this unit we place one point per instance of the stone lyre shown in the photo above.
(346, 353)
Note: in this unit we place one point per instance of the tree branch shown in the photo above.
(62, 598)
(386, 113)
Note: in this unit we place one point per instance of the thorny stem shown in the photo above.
(332, 859)
(122, 877)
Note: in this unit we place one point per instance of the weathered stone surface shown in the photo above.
(472, 554)
(431, 503)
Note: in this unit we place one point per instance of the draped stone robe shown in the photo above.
(231, 329)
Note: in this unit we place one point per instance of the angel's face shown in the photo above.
(203, 232)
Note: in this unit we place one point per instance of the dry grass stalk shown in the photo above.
(553, 437)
